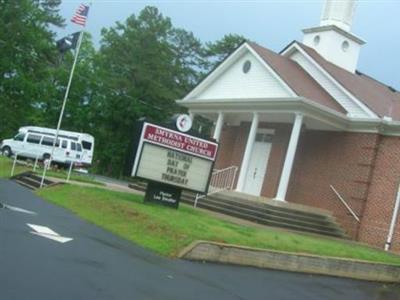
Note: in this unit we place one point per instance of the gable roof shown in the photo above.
(296, 78)
(228, 60)
(381, 99)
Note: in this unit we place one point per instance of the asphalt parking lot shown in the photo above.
(48, 253)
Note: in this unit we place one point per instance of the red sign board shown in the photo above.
(180, 141)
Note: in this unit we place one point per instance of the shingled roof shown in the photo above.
(381, 99)
(296, 78)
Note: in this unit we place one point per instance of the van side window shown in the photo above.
(64, 144)
(48, 141)
(73, 146)
(33, 138)
(86, 145)
(79, 147)
(19, 137)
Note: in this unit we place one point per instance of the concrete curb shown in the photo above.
(286, 261)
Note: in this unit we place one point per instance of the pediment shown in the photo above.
(242, 76)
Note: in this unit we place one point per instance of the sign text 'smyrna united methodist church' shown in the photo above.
(173, 160)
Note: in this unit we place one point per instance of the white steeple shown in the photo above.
(339, 13)
(333, 39)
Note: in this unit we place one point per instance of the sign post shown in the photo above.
(173, 161)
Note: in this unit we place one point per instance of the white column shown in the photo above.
(289, 159)
(247, 153)
(218, 126)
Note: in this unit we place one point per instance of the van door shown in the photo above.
(47, 148)
(18, 145)
(87, 152)
(76, 152)
(65, 151)
(33, 148)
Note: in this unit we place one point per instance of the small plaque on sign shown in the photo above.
(163, 194)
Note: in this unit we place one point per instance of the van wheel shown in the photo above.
(6, 151)
(46, 156)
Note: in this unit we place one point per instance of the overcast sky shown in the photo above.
(273, 24)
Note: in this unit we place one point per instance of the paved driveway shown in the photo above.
(99, 265)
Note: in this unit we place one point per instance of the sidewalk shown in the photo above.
(105, 185)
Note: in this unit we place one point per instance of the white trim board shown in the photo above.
(307, 107)
(348, 101)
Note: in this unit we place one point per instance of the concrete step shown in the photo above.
(38, 178)
(324, 225)
(273, 205)
(265, 221)
(25, 184)
(31, 180)
(278, 212)
(268, 208)
(293, 217)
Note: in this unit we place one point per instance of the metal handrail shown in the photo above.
(345, 204)
(221, 180)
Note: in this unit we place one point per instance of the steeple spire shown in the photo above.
(332, 38)
(339, 13)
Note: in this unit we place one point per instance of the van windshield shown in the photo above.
(19, 137)
(86, 145)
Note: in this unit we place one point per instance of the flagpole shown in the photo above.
(63, 106)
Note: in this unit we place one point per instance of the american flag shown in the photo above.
(81, 15)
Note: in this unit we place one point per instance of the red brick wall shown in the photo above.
(343, 160)
(382, 195)
(364, 168)
(227, 143)
(232, 145)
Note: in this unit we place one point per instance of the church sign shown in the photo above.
(174, 158)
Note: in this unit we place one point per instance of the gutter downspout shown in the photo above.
(393, 222)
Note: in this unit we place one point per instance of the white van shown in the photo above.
(37, 142)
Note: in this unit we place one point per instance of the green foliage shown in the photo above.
(219, 50)
(143, 65)
(28, 55)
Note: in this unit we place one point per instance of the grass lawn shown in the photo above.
(167, 231)
(6, 165)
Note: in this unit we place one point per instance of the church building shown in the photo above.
(305, 127)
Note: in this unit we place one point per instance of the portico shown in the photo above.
(265, 166)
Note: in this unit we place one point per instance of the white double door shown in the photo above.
(258, 164)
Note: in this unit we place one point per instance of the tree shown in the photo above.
(144, 65)
(217, 51)
(27, 51)
(78, 113)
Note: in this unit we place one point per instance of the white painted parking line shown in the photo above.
(46, 232)
(18, 209)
